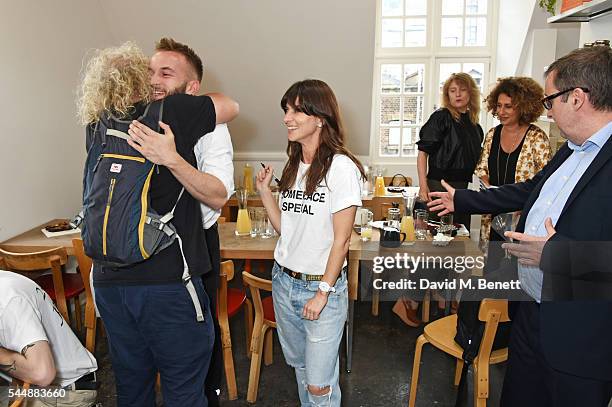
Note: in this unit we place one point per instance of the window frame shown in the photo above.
(431, 56)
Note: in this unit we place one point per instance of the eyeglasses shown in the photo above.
(547, 101)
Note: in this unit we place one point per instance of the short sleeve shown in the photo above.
(434, 131)
(195, 115)
(344, 183)
(214, 154)
(20, 325)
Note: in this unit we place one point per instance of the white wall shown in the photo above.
(254, 50)
(598, 29)
(41, 144)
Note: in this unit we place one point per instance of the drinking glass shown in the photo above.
(446, 224)
(267, 230)
(504, 223)
(420, 217)
(366, 227)
(256, 221)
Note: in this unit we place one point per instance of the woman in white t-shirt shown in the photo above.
(320, 192)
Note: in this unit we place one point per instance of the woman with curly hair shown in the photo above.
(148, 313)
(516, 149)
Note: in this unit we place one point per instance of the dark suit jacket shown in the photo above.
(576, 308)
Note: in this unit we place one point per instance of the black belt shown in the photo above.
(300, 276)
(87, 382)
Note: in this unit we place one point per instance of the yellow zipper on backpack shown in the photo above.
(124, 157)
(111, 188)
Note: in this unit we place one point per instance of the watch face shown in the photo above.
(323, 286)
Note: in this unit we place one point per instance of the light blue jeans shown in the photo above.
(310, 347)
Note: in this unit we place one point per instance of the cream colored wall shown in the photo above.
(254, 50)
(597, 29)
(41, 144)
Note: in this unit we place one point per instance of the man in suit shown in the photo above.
(559, 352)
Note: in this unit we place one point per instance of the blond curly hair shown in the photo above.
(114, 80)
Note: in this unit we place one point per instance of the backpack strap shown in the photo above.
(118, 133)
(189, 284)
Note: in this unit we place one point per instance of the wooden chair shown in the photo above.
(17, 402)
(441, 334)
(229, 302)
(264, 319)
(91, 320)
(58, 285)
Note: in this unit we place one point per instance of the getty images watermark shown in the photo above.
(404, 271)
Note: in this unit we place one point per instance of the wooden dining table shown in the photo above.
(248, 248)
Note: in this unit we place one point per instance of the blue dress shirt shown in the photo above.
(553, 196)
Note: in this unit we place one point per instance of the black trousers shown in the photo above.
(436, 186)
(214, 377)
(531, 381)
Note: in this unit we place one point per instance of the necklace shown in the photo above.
(499, 150)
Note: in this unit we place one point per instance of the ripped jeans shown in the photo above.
(310, 347)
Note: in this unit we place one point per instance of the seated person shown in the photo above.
(37, 345)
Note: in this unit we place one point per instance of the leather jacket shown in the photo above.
(453, 146)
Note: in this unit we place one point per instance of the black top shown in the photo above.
(190, 117)
(453, 146)
(502, 166)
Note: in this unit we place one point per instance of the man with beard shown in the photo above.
(176, 68)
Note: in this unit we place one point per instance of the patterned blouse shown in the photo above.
(534, 155)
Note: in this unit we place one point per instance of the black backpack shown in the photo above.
(118, 226)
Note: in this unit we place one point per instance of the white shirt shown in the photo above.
(307, 229)
(214, 154)
(27, 315)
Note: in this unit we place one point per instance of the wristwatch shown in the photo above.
(326, 288)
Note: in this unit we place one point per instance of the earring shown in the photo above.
(320, 125)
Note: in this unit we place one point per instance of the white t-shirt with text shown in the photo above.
(307, 230)
(28, 315)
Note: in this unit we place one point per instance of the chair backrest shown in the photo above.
(19, 400)
(52, 259)
(85, 268)
(491, 312)
(255, 284)
(226, 273)
(33, 261)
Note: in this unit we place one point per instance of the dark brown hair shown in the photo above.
(466, 80)
(589, 68)
(526, 95)
(168, 44)
(315, 98)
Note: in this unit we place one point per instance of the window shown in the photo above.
(464, 23)
(404, 23)
(419, 43)
(401, 108)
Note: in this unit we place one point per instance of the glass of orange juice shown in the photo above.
(243, 223)
(379, 190)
